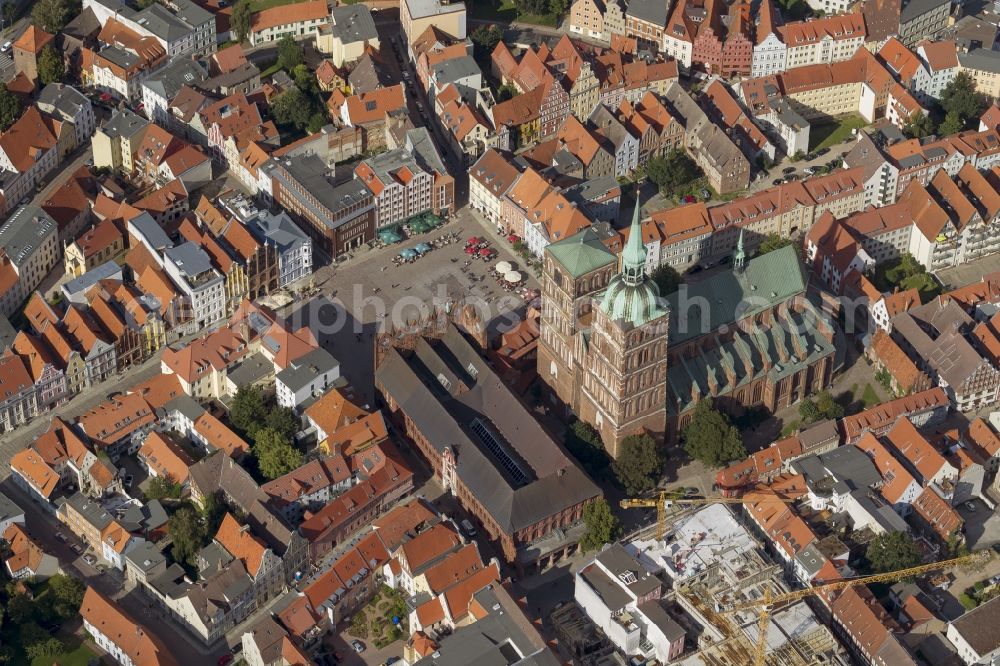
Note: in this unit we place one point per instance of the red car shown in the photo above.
(225, 659)
(689, 199)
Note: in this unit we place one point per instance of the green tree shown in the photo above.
(919, 125)
(20, 609)
(143, 4)
(53, 15)
(710, 437)
(484, 39)
(240, 20)
(67, 593)
(163, 487)
(828, 407)
(213, 510)
(290, 54)
(292, 108)
(32, 633)
(305, 80)
(672, 171)
(505, 92)
(773, 242)
(248, 411)
(49, 647)
(188, 533)
(317, 121)
(275, 454)
(639, 464)
(586, 446)
(667, 279)
(952, 124)
(283, 421)
(557, 8)
(961, 100)
(602, 525)
(892, 551)
(50, 66)
(10, 108)
(9, 10)
(809, 411)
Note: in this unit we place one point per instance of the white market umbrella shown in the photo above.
(513, 277)
(503, 267)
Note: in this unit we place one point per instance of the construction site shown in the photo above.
(710, 562)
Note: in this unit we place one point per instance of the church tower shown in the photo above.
(624, 389)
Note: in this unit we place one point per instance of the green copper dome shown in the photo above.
(631, 296)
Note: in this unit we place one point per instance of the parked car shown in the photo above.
(994, 580)
(60, 537)
(822, 151)
(76, 549)
(790, 169)
(391, 660)
(89, 559)
(777, 181)
(971, 506)
(468, 529)
(6, 47)
(224, 660)
(705, 194)
(128, 481)
(809, 171)
(358, 646)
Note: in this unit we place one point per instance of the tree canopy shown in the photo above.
(919, 125)
(823, 407)
(773, 242)
(602, 525)
(290, 54)
(484, 39)
(710, 437)
(906, 273)
(292, 108)
(275, 454)
(241, 19)
(667, 279)
(50, 66)
(639, 464)
(892, 551)
(284, 421)
(53, 15)
(672, 171)
(961, 102)
(163, 487)
(248, 411)
(586, 446)
(10, 108)
(188, 533)
(67, 593)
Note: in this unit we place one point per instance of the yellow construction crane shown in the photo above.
(769, 600)
(668, 499)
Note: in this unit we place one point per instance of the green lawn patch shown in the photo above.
(869, 397)
(827, 135)
(504, 11)
(80, 656)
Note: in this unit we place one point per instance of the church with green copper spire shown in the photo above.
(603, 344)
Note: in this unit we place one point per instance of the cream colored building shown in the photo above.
(352, 29)
(984, 67)
(115, 143)
(418, 15)
(586, 17)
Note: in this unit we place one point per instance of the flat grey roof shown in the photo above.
(309, 172)
(917, 8)
(981, 59)
(302, 371)
(66, 99)
(181, 71)
(279, 229)
(651, 11)
(425, 8)
(153, 232)
(189, 259)
(124, 123)
(353, 23)
(9, 508)
(108, 269)
(24, 232)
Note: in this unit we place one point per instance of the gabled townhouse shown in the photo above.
(769, 51)
(123, 60)
(262, 565)
(578, 150)
(44, 368)
(29, 151)
(928, 464)
(70, 204)
(417, 554)
(490, 178)
(160, 88)
(936, 517)
(121, 636)
(722, 44)
(898, 486)
(26, 558)
(165, 458)
(96, 527)
(344, 423)
(293, 247)
(822, 40)
(20, 399)
(727, 112)
(983, 438)
(658, 131)
(303, 19)
(623, 145)
(99, 244)
(69, 105)
(118, 426)
(309, 487)
(368, 112)
(646, 21)
(726, 167)
(230, 124)
(936, 335)
(922, 409)
(181, 27)
(408, 181)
